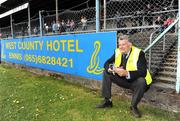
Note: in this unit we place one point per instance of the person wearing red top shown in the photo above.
(168, 22)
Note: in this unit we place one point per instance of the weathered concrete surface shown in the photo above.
(164, 98)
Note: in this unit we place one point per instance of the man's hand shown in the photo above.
(121, 72)
(110, 70)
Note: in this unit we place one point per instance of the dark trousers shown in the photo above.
(138, 86)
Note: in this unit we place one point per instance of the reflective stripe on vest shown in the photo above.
(131, 64)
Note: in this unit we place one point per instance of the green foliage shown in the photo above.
(28, 97)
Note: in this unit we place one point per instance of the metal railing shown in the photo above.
(161, 35)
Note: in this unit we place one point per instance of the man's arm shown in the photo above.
(141, 67)
(109, 61)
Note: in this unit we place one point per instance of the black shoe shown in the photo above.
(135, 112)
(105, 104)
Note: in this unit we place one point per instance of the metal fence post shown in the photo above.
(40, 23)
(164, 42)
(29, 21)
(97, 16)
(178, 56)
(12, 32)
(57, 11)
(104, 14)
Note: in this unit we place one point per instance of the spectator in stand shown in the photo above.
(132, 31)
(159, 22)
(138, 17)
(63, 26)
(168, 22)
(121, 24)
(46, 28)
(35, 30)
(72, 25)
(148, 16)
(84, 23)
(54, 27)
(59, 26)
(68, 26)
(22, 31)
(7, 35)
(101, 18)
(116, 18)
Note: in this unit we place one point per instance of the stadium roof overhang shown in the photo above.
(17, 9)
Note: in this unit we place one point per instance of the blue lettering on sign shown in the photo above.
(77, 54)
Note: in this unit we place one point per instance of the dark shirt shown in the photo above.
(159, 22)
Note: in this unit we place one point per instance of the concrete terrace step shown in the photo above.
(155, 62)
(175, 49)
(154, 66)
(161, 47)
(157, 58)
(161, 44)
(174, 64)
(164, 85)
(157, 51)
(167, 74)
(169, 80)
(168, 68)
(172, 56)
(156, 55)
(171, 59)
(174, 52)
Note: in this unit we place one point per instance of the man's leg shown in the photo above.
(106, 87)
(139, 87)
(106, 91)
(107, 83)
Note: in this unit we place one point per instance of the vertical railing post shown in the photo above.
(104, 14)
(178, 54)
(11, 21)
(56, 11)
(149, 62)
(164, 42)
(40, 24)
(29, 20)
(97, 16)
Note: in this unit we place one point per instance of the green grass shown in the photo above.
(28, 97)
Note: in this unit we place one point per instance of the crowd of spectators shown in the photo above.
(51, 27)
(164, 24)
(62, 26)
(142, 17)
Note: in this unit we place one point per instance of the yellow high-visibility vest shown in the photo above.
(131, 64)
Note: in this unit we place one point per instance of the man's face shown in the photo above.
(124, 46)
